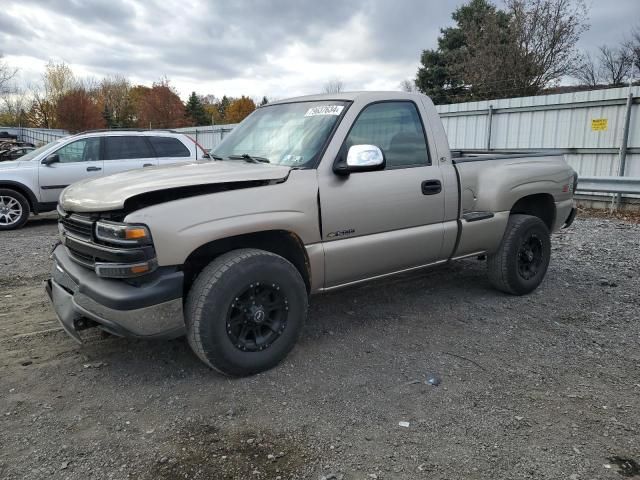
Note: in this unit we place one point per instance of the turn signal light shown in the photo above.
(135, 233)
(121, 270)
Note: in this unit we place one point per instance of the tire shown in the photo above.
(226, 330)
(14, 209)
(520, 263)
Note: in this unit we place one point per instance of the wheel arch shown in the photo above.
(24, 190)
(281, 242)
(541, 205)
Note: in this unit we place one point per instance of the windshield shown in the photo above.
(290, 134)
(34, 153)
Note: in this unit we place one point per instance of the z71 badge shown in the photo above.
(341, 233)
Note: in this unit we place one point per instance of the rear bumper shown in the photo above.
(80, 297)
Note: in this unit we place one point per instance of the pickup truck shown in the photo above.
(305, 196)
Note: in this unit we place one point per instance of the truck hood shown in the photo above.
(111, 192)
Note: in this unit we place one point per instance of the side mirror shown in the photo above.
(361, 158)
(54, 158)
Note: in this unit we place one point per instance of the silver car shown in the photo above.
(33, 183)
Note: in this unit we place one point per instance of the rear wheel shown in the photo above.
(14, 209)
(522, 259)
(245, 311)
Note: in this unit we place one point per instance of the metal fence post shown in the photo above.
(624, 144)
(489, 124)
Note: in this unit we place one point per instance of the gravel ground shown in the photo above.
(544, 386)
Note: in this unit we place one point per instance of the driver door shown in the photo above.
(77, 160)
(379, 222)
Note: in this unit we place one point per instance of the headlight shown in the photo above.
(122, 234)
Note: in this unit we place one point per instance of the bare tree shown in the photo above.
(547, 32)
(615, 64)
(633, 47)
(587, 71)
(333, 86)
(6, 75)
(408, 85)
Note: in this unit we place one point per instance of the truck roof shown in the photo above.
(351, 96)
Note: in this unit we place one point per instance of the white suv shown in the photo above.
(34, 182)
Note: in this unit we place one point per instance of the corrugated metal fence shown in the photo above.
(587, 126)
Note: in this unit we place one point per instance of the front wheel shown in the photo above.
(520, 263)
(245, 311)
(14, 209)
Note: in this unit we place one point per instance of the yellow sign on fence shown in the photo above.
(599, 124)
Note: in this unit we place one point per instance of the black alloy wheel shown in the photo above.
(257, 317)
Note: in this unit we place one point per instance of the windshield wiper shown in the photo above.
(249, 158)
(215, 157)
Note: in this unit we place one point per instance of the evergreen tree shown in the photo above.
(195, 112)
(222, 108)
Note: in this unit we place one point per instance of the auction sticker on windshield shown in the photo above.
(324, 110)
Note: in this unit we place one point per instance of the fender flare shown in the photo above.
(21, 188)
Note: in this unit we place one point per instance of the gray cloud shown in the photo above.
(275, 47)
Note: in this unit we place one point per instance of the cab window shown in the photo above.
(395, 128)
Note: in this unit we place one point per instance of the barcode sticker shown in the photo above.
(324, 110)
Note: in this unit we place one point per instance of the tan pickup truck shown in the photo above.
(306, 195)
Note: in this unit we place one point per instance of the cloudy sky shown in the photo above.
(277, 48)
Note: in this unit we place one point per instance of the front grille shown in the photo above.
(85, 260)
(78, 226)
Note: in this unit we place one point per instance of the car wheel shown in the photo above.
(14, 209)
(245, 311)
(522, 259)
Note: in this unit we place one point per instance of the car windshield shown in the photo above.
(290, 134)
(34, 153)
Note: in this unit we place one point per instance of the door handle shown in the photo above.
(148, 165)
(93, 169)
(431, 187)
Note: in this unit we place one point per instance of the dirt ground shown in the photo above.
(545, 386)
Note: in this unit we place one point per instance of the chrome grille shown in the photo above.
(78, 226)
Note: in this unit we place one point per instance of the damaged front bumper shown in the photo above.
(146, 310)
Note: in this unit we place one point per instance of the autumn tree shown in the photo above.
(57, 80)
(238, 109)
(114, 99)
(160, 107)
(222, 107)
(12, 99)
(195, 112)
(77, 110)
